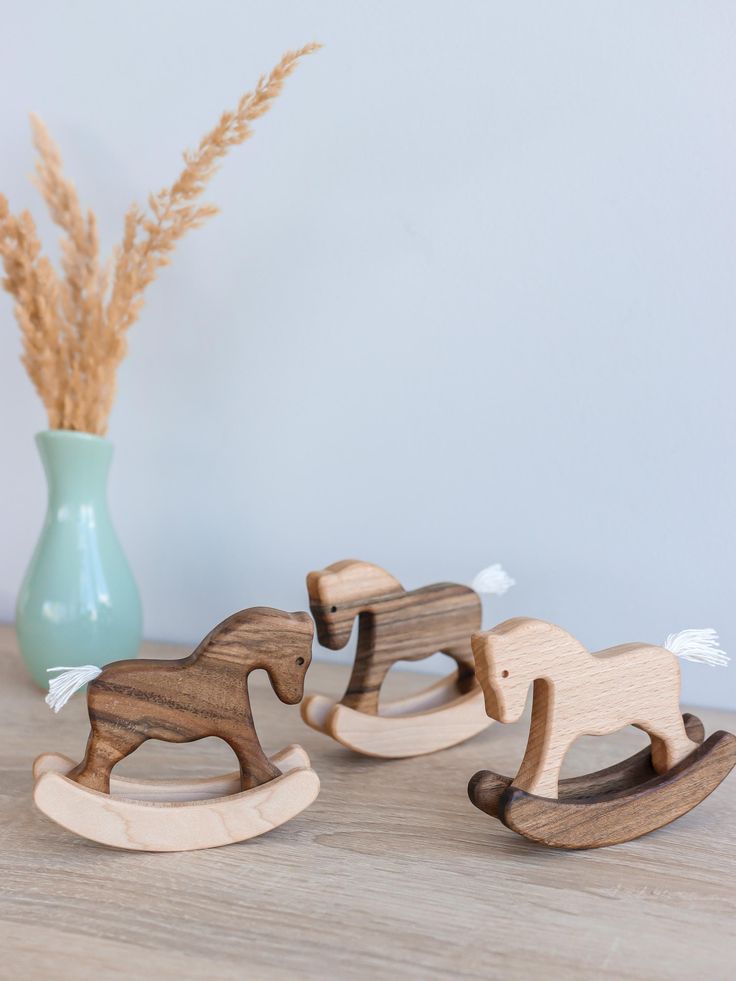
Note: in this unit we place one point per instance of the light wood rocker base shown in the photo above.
(433, 719)
(611, 806)
(174, 815)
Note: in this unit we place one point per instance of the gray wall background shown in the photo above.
(470, 298)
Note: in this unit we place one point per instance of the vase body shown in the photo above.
(78, 603)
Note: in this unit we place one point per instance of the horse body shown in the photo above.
(578, 693)
(204, 694)
(393, 624)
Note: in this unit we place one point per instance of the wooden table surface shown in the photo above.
(391, 873)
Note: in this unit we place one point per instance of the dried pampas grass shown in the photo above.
(74, 327)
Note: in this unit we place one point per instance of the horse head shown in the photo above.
(339, 592)
(510, 657)
(278, 642)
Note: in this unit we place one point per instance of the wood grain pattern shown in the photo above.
(204, 694)
(396, 734)
(393, 625)
(486, 788)
(156, 825)
(387, 875)
(625, 814)
(183, 789)
(577, 693)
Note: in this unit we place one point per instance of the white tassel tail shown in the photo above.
(64, 685)
(698, 645)
(493, 580)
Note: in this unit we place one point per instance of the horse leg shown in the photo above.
(255, 766)
(106, 746)
(670, 741)
(539, 772)
(546, 747)
(364, 687)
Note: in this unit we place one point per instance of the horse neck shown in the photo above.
(365, 605)
(372, 603)
(228, 659)
(557, 661)
(370, 609)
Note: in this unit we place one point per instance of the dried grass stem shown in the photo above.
(74, 327)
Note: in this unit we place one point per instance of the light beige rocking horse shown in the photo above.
(578, 693)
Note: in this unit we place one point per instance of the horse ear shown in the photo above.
(479, 643)
(306, 620)
(316, 582)
(487, 647)
(518, 625)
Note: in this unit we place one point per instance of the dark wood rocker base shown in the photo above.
(486, 787)
(614, 805)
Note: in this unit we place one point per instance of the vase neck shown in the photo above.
(76, 466)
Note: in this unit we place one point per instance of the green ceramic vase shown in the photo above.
(78, 603)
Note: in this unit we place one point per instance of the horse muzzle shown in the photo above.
(500, 706)
(333, 630)
(494, 705)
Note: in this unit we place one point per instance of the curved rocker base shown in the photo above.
(433, 719)
(174, 815)
(612, 806)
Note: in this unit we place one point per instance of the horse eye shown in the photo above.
(300, 660)
(333, 609)
(504, 674)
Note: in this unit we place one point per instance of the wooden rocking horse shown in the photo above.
(578, 693)
(396, 625)
(204, 694)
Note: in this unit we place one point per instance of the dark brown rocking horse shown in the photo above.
(395, 625)
(204, 694)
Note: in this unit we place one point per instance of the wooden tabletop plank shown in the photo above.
(391, 872)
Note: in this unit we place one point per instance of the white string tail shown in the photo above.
(493, 580)
(699, 645)
(64, 685)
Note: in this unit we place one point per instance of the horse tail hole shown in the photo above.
(300, 661)
(504, 674)
(333, 609)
